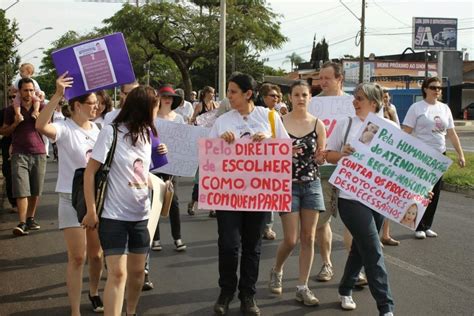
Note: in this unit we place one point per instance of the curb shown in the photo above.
(468, 191)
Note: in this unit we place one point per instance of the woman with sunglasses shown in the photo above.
(430, 121)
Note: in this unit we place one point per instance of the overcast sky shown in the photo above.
(388, 24)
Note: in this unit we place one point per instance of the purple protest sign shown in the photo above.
(96, 64)
(157, 160)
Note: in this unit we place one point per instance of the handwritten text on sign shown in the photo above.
(331, 109)
(245, 175)
(391, 172)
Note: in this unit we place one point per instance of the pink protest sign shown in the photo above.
(245, 175)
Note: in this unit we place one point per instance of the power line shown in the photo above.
(410, 33)
(309, 15)
(388, 13)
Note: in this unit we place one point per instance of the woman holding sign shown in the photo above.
(123, 228)
(244, 229)
(430, 121)
(362, 222)
(75, 138)
(309, 140)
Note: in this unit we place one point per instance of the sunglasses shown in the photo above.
(435, 88)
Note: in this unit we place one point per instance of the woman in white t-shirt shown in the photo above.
(244, 229)
(362, 222)
(123, 228)
(430, 121)
(75, 137)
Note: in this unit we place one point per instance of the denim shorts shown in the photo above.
(307, 195)
(122, 237)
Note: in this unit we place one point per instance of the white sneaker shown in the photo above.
(180, 246)
(347, 303)
(156, 245)
(388, 314)
(420, 235)
(431, 233)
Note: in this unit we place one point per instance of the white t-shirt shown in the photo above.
(336, 141)
(110, 117)
(58, 116)
(127, 191)
(186, 110)
(75, 147)
(248, 125)
(430, 123)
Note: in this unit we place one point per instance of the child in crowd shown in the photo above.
(26, 71)
(409, 219)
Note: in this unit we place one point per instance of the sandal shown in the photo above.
(390, 241)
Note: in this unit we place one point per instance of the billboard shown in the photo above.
(435, 33)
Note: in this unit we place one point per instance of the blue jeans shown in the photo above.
(364, 225)
(239, 229)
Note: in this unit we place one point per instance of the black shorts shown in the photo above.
(122, 237)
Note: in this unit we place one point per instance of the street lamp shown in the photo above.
(11, 5)
(38, 48)
(44, 28)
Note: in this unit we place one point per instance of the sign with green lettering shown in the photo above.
(391, 171)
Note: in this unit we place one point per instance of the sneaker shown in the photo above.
(97, 305)
(361, 279)
(191, 208)
(388, 314)
(147, 284)
(222, 305)
(212, 214)
(431, 233)
(420, 234)
(269, 234)
(307, 297)
(347, 303)
(32, 224)
(248, 306)
(325, 274)
(275, 284)
(20, 230)
(180, 246)
(156, 245)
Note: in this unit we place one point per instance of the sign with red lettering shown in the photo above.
(391, 171)
(331, 109)
(245, 175)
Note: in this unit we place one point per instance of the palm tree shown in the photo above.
(294, 59)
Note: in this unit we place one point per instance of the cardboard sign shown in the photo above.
(182, 143)
(331, 109)
(391, 171)
(245, 175)
(207, 119)
(159, 188)
(97, 64)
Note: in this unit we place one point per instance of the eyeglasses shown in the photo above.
(273, 95)
(435, 88)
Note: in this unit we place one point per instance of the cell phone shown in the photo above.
(301, 145)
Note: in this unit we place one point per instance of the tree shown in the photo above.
(320, 53)
(189, 37)
(294, 59)
(9, 59)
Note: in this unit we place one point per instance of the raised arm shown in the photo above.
(43, 124)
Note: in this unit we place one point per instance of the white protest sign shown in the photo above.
(182, 143)
(159, 188)
(331, 109)
(391, 171)
(207, 119)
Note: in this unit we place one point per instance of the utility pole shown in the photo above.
(362, 38)
(362, 42)
(222, 52)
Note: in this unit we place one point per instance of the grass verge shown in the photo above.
(460, 176)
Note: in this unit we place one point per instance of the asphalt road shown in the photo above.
(428, 277)
(466, 136)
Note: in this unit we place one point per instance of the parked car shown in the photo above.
(470, 111)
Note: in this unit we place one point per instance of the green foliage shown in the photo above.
(189, 37)
(294, 59)
(8, 55)
(320, 53)
(460, 176)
